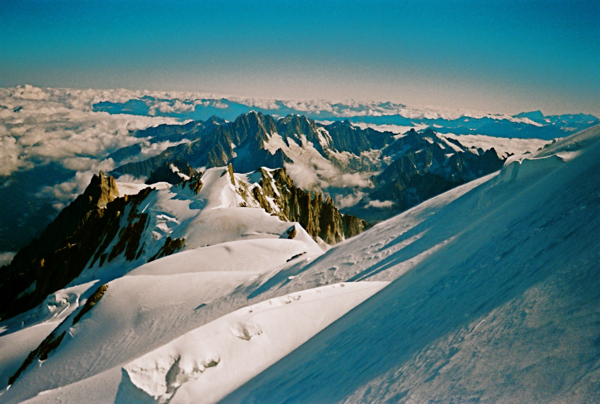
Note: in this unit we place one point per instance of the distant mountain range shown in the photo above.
(372, 174)
(55, 140)
(524, 125)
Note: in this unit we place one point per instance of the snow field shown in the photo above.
(506, 311)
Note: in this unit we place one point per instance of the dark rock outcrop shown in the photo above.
(49, 344)
(171, 246)
(194, 183)
(320, 218)
(80, 236)
(91, 302)
(171, 172)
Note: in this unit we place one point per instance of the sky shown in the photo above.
(502, 56)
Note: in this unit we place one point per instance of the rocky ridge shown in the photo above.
(316, 213)
(422, 166)
(255, 140)
(100, 228)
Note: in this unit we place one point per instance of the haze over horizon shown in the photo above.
(498, 56)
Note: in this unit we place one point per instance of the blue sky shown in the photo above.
(498, 56)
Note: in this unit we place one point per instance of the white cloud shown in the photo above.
(503, 146)
(28, 92)
(130, 179)
(220, 105)
(78, 163)
(380, 204)
(351, 180)
(39, 126)
(6, 257)
(348, 200)
(10, 152)
(58, 125)
(303, 176)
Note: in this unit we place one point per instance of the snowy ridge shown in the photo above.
(209, 218)
(243, 343)
(225, 246)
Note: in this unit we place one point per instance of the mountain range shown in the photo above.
(222, 284)
(55, 139)
(372, 174)
(523, 125)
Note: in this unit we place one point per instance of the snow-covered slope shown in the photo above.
(499, 304)
(226, 253)
(494, 298)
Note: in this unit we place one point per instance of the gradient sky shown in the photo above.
(497, 56)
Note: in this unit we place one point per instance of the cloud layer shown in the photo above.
(39, 126)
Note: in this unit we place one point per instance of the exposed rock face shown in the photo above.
(91, 302)
(422, 168)
(102, 190)
(244, 143)
(171, 172)
(171, 246)
(80, 235)
(195, 182)
(49, 344)
(320, 218)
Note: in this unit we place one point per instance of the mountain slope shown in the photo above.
(503, 306)
(102, 231)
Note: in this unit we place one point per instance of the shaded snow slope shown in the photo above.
(506, 310)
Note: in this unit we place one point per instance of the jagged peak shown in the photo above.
(429, 131)
(102, 190)
(345, 123)
(532, 115)
(216, 120)
(295, 117)
(254, 118)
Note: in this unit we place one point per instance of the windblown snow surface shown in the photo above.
(487, 293)
(505, 307)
